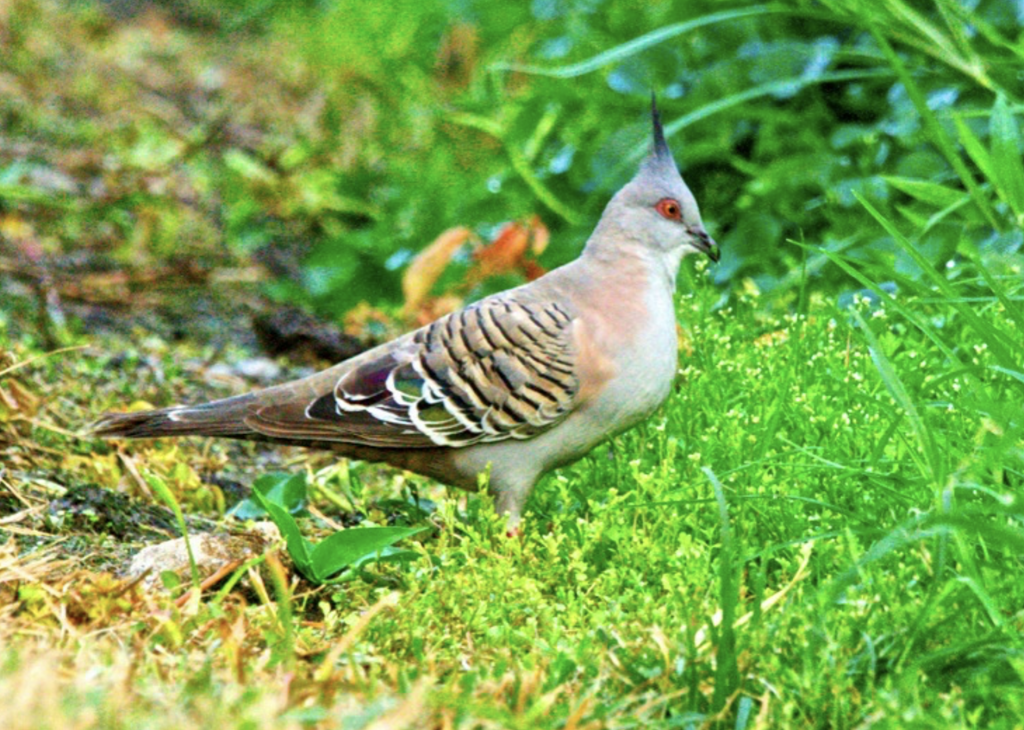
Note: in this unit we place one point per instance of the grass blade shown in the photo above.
(727, 673)
(928, 192)
(993, 338)
(1009, 305)
(974, 148)
(637, 45)
(1006, 159)
(897, 389)
(933, 128)
(520, 163)
(167, 496)
(890, 301)
(769, 88)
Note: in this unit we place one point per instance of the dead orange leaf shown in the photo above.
(17, 397)
(540, 235)
(503, 254)
(533, 270)
(770, 339)
(508, 252)
(429, 264)
(458, 54)
(435, 308)
(512, 251)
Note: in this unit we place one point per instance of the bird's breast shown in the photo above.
(630, 360)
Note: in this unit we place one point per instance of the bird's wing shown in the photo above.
(499, 369)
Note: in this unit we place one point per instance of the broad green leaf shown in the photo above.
(13, 193)
(285, 490)
(298, 547)
(344, 548)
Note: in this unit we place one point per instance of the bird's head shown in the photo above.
(656, 207)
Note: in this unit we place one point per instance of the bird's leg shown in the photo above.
(509, 501)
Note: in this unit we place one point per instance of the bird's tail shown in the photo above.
(224, 417)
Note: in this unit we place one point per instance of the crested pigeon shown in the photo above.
(518, 383)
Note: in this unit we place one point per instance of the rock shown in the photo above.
(211, 553)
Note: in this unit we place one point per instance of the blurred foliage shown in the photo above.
(350, 134)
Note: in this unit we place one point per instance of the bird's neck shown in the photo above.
(623, 259)
(626, 296)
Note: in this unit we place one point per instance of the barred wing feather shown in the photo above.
(498, 369)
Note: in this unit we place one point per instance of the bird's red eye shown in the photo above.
(670, 209)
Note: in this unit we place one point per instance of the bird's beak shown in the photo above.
(704, 243)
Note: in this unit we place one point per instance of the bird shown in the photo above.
(512, 386)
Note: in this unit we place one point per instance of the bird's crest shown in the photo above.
(659, 166)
